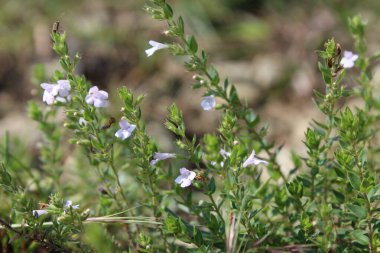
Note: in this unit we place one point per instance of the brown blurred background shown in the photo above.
(266, 47)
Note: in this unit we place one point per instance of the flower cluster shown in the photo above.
(67, 206)
(56, 92)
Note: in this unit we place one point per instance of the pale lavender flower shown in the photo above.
(253, 160)
(39, 212)
(155, 46)
(224, 153)
(185, 178)
(82, 121)
(348, 60)
(49, 90)
(56, 92)
(97, 97)
(125, 130)
(208, 103)
(161, 156)
(69, 204)
(63, 88)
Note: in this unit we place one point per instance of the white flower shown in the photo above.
(69, 204)
(155, 46)
(125, 130)
(97, 97)
(208, 103)
(82, 121)
(253, 160)
(63, 88)
(39, 212)
(224, 153)
(56, 92)
(48, 96)
(161, 156)
(348, 60)
(185, 177)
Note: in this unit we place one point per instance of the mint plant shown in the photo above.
(209, 194)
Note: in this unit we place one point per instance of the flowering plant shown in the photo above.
(210, 194)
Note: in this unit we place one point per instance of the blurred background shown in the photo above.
(266, 47)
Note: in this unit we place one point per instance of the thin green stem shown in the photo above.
(216, 208)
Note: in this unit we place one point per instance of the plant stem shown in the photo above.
(217, 210)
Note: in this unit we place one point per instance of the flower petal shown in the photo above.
(186, 183)
(179, 179)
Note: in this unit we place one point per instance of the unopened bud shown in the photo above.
(83, 142)
(33, 92)
(330, 62)
(338, 49)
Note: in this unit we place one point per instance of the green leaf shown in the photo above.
(354, 180)
(375, 56)
(374, 193)
(198, 238)
(359, 211)
(360, 237)
(211, 186)
(251, 118)
(192, 44)
(180, 26)
(214, 75)
(168, 11)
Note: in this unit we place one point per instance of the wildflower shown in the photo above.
(69, 204)
(155, 46)
(56, 92)
(82, 121)
(348, 60)
(39, 212)
(253, 160)
(208, 103)
(125, 130)
(48, 96)
(185, 177)
(64, 89)
(97, 97)
(224, 153)
(161, 156)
